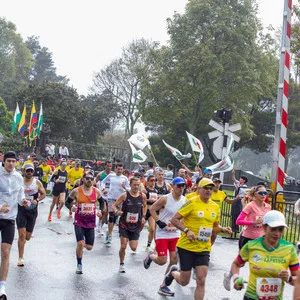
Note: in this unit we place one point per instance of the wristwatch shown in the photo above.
(186, 230)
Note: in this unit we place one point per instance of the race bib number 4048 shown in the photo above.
(268, 288)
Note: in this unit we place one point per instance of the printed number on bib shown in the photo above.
(87, 208)
(171, 227)
(204, 234)
(268, 288)
(29, 198)
(152, 197)
(132, 218)
(61, 179)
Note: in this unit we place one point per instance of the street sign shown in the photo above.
(216, 125)
(218, 147)
(214, 134)
(235, 127)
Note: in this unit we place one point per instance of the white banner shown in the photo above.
(176, 152)
(138, 156)
(139, 141)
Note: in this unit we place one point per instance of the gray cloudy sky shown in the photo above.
(84, 36)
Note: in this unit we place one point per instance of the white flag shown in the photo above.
(139, 141)
(176, 152)
(225, 165)
(230, 147)
(138, 156)
(196, 146)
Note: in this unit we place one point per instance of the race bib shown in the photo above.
(153, 197)
(132, 218)
(204, 234)
(268, 288)
(61, 179)
(29, 198)
(170, 227)
(87, 208)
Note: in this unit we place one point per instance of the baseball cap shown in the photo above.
(207, 171)
(205, 181)
(28, 166)
(9, 154)
(88, 167)
(274, 218)
(137, 174)
(142, 170)
(178, 180)
(217, 180)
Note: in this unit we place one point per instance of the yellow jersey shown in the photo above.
(265, 265)
(199, 217)
(73, 175)
(46, 172)
(218, 197)
(190, 195)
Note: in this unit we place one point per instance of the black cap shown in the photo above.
(10, 154)
(261, 183)
(217, 179)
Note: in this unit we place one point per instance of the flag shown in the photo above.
(41, 121)
(176, 152)
(138, 156)
(139, 141)
(17, 118)
(225, 165)
(32, 125)
(230, 147)
(22, 124)
(196, 146)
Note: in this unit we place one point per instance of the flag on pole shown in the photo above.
(17, 118)
(22, 124)
(225, 165)
(32, 124)
(230, 147)
(196, 146)
(41, 121)
(176, 152)
(138, 156)
(139, 141)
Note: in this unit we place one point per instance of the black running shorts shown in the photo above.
(188, 259)
(85, 234)
(7, 228)
(26, 219)
(130, 235)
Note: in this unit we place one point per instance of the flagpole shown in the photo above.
(153, 157)
(195, 156)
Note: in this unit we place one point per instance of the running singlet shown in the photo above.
(31, 193)
(85, 214)
(166, 214)
(199, 217)
(61, 178)
(151, 195)
(162, 190)
(265, 266)
(132, 208)
(218, 197)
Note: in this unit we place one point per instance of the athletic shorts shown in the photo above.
(243, 241)
(7, 228)
(163, 245)
(85, 234)
(26, 219)
(148, 214)
(130, 235)
(188, 259)
(57, 190)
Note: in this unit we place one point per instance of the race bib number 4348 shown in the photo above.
(268, 288)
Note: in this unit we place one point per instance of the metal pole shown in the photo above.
(225, 141)
(277, 176)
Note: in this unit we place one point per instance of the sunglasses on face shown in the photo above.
(29, 171)
(262, 193)
(208, 174)
(89, 178)
(180, 186)
(208, 188)
(152, 180)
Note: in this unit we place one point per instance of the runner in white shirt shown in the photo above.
(118, 183)
(166, 234)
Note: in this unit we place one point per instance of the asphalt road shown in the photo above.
(50, 264)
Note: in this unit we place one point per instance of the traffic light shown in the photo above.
(224, 114)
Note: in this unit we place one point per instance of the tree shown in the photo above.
(43, 68)
(15, 61)
(214, 60)
(122, 79)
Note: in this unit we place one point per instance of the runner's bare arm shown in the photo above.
(41, 190)
(217, 228)
(119, 201)
(144, 205)
(159, 204)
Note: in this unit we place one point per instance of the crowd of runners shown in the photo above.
(181, 212)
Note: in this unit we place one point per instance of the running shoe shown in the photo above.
(3, 292)
(148, 249)
(49, 218)
(165, 291)
(79, 269)
(194, 276)
(148, 260)
(226, 281)
(108, 240)
(58, 214)
(122, 269)
(169, 277)
(20, 262)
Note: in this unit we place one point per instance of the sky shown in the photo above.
(85, 36)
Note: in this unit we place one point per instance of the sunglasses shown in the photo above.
(208, 187)
(89, 178)
(29, 171)
(262, 193)
(208, 174)
(152, 180)
(180, 185)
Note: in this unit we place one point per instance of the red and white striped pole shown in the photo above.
(278, 173)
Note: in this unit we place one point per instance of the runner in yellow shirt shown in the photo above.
(46, 172)
(270, 257)
(200, 217)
